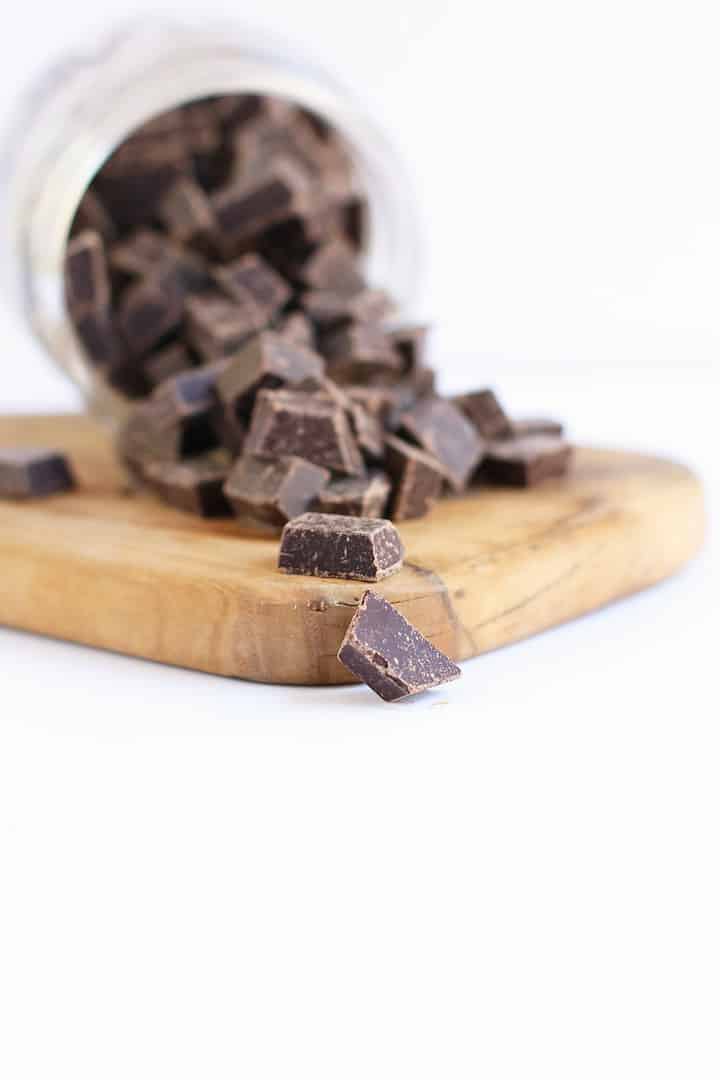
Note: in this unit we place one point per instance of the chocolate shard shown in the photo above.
(335, 545)
(294, 423)
(329, 309)
(410, 341)
(31, 472)
(536, 425)
(266, 361)
(245, 209)
(87, 285)
(149, 311)
(359, 352)
(355, 496)
(443, 431)
(194, 486)
(389, 654)
(217, 327)
(251, 276)
(485, 413)
(333, 265)
(163, 364)
(417, 479)
(524, 461)
(272, 492)
(297, 328)
(186, 213)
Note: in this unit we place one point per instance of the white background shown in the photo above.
(515, 877)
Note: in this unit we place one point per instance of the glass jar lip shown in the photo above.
(87, 105)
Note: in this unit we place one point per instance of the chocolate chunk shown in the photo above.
(100, 339)
(147, 253)
(411, 343)
(359, 352)
(174, 423)
(266, 361)
(32, 472)
(292, 423)
(251, 276)
(521, 462)
(297, 328)
(201, 126)
(356, 222)
(149, 311)
(91, 214)
(127, 376)
(87, 285)
(443, 431)
(229, 429)
(161, 365)
(194, 486)
(272, 492)
(132, 191)
(334, 265)
(417, 479)
(244, 209)
(379, 401)
(329, 309)
(355, 496)
(485, 413)
(334, 545)
(186, 213)
(217, 327)
(368, 431)
(387, 653)
(536, 425)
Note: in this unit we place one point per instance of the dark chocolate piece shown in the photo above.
(334, 265)
(356, 222)
(536, 425)
(411, 343)
(297, 328)
(485, 413)
(266, 361)
(244, 209)
(443, 431)
(230, 430)
(334, 545)
(31, 472)
(368, 431)
(359, 352)
(195, 486)
(186, 213)
(100, 339)
(161, 365)
(149, 311)
(252, 276)
(522, 462)
(417, 479)
(87, 285)
(217, 327)
(304, 425)
(91, 214)
(355, 496)
(174, 423)
(330, 309)
(389, 654)
(272, 492)
(148, 253)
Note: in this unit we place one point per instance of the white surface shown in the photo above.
(514, 877)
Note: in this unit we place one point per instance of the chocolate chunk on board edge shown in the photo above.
(333, 545)
(525, 461)
(389, 654)
(33, 472)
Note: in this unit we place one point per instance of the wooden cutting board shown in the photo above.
(112, 567)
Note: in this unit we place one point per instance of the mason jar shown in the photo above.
(86, 106)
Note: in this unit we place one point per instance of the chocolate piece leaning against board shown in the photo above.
(333, 545)
(389, 654)
(31, 472)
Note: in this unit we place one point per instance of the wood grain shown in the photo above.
(111, 567)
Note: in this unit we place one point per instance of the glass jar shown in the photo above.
(90, 103)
